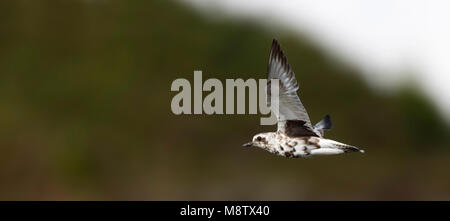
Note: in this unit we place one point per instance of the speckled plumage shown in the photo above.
(292, 147)
(295, 136)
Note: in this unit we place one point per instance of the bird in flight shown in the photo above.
(295, 136)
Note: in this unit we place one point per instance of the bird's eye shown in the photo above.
(258, 139)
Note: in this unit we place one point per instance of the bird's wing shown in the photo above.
(292, 116)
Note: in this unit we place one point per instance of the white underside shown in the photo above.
(299, 147)
(326, 151)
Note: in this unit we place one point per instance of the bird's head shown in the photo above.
(259, 140)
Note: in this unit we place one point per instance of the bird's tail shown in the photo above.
(348, 148)
(345, 147)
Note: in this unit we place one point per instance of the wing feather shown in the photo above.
(290, 106)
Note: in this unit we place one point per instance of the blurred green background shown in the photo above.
(85, 112)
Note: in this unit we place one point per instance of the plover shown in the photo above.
(295, 136)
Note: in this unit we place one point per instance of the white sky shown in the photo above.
(389, 40)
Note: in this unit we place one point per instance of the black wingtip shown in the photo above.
(277, 53)
(324, 124)
(328, 123)
(274, 41)
(275, 47)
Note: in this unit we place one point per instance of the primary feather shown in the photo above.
(291, 114)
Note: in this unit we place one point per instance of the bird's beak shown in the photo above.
(249, 144)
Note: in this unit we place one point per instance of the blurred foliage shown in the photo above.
(423, 124)
(85, 112)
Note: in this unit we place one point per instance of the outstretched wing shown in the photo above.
(324, 124)
(292, 116)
